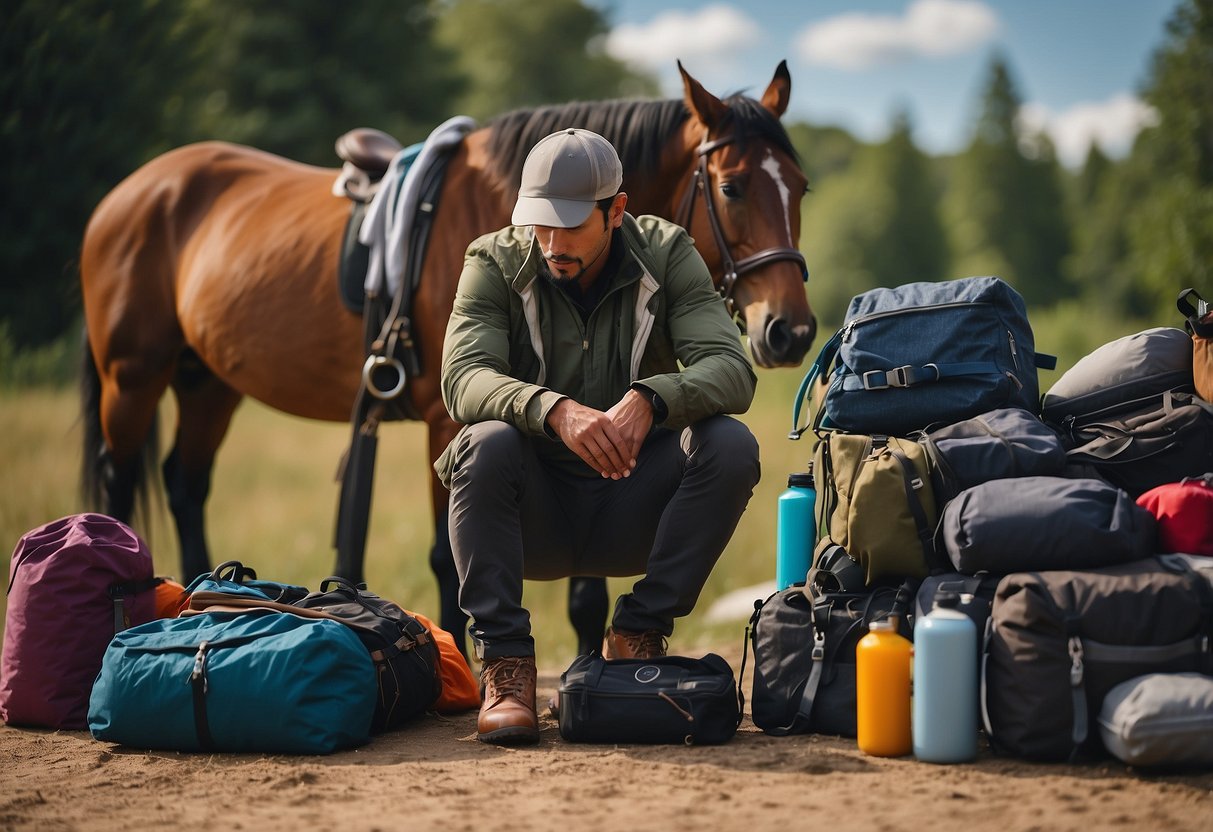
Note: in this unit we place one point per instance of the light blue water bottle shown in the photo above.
(944, 710)
(796, 531)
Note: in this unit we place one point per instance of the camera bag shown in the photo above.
(672, 699)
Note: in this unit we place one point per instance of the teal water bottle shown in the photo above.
(944, 710)
(796, 531)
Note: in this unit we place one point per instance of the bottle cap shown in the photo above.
(947, 600)
(800, 480)
(884, 625)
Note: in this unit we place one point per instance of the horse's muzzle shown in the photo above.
(782, 344)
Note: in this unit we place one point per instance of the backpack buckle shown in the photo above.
(884, 379)
(875, 380)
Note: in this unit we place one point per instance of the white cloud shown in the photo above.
(1113, 124)
(929, 28)
(671, 35)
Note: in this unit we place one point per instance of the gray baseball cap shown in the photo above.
(563, 177)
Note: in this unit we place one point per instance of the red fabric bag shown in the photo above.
(72, 584)
(1184, 511)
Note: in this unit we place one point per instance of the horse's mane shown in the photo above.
(637, 128)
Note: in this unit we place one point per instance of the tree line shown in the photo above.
(1122, 238)
(91, 89)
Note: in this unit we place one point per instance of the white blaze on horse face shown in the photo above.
(771, 165)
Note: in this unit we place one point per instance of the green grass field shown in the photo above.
(274, 495)
(273, 501)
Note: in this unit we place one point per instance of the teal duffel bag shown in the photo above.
(248, 680)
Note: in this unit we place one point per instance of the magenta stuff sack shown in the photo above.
(72, 585)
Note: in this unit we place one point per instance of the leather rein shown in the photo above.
(733, 269)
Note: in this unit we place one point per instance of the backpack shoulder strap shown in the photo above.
(818, 369)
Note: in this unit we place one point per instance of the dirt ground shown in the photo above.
(436, 775)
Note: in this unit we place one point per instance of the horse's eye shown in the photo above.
(730, 190)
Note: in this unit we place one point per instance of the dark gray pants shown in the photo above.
(513, 517)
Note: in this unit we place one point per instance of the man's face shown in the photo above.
(569, 253)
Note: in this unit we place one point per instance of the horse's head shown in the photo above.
(742, 206)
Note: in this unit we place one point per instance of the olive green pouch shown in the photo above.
(875, 500)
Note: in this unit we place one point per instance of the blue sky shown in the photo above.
(1079, 65)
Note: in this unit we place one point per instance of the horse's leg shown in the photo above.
(204, 411)
(127, 393)
(588, 608)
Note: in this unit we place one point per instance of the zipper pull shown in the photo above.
(1014, 349)
(585, 345)
(199, 673)
(1075, 648)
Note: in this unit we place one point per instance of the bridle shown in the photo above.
(733, 269)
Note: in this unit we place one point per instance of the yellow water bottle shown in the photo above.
(882, 690)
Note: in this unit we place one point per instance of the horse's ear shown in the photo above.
(778, 91)
(705, 106)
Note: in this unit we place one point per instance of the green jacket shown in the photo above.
(515, 344)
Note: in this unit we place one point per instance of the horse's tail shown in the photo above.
(95, 466)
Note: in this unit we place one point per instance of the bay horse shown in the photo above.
(211, 270)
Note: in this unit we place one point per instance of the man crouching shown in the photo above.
(586, 449)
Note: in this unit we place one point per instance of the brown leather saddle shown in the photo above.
(366, 154)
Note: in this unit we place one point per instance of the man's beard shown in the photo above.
(564, 277)
(581, 264)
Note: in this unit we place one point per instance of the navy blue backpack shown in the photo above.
(926, 353)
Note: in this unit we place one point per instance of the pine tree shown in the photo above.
(89, 89)
(290, 78)
(1005, 209)
(1170, 231)
(524, 53)
(875, 224)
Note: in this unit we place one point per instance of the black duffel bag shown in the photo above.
(1060, 641)
(672, 699)
(804, 642)
(1000, 444)
(402, 648)
(1026, 523)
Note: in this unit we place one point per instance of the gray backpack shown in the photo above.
(1130, 412)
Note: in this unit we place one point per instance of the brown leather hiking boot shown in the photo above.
(507, 714)
(625, 644)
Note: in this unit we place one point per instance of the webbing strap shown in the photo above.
(908, 376)
(913, 483)
(804, 709)
(818, 369)
(119, 590)
(745, 651)
(1078, 693)
(198, 686)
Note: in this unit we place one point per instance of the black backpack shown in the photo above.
(404, 652)
(804, 642)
